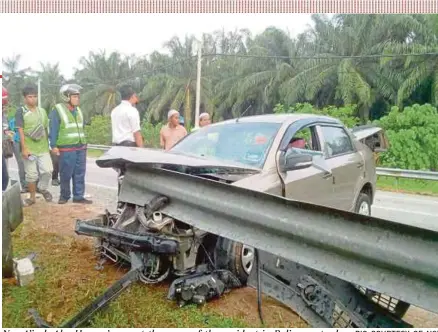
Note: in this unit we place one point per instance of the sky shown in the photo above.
(64, 38)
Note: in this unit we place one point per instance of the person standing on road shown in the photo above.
(32, 124)
(173, 132)
(125, 120)
(204, 120)
(68, 141)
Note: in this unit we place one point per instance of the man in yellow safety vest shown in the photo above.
(68, 141)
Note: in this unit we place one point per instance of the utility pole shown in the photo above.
(39, 92)
(198, 84)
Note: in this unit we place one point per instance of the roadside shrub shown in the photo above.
(413, 137)
(99, 130)
(151, 134)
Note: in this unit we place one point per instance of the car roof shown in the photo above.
(282, 118)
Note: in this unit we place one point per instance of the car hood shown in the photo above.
(121, 156)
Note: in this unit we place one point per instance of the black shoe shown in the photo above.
(82, 201)
(47, 195)
(62, 201)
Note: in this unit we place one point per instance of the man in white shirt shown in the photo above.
(125, 120)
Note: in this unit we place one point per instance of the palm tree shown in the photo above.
(51, 80)
(354, 76)
(418, 74)
(100, 77)
(260, 72)
(15, 78)
(174, 83)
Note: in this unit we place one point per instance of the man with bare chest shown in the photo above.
(171, 133)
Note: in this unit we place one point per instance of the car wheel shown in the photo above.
(235, 257)
(363, 205)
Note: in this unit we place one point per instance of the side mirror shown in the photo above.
(293, 161)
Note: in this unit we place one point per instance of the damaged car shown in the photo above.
(303, 157)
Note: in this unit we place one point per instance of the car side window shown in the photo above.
(304, 141)
(337, 141)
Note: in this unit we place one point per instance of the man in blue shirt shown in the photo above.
(67, 140)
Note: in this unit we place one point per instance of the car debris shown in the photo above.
(156, 247)
(324, 300)
(24, 270)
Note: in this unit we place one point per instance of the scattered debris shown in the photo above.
(24, 270)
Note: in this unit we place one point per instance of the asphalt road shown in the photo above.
(416, 210)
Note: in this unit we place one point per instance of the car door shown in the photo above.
(346, 163)
(312, 184)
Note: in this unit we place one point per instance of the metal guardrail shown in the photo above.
(381, 171)
(388, 257)
(99, 147)
(408, 174)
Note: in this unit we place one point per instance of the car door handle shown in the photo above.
(360, 164)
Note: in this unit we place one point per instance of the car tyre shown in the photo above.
(363, 204)
(235, 257)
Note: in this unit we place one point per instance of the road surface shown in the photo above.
(416, 210)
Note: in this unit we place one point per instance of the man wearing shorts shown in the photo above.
(32, 124)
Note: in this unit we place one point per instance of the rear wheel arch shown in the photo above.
(364, 199)
(367, 189)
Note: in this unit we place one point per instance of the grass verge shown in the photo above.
(66, 281)
(92, 153)
(409, 186)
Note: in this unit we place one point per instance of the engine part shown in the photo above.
(150, 242)
(320, 299)
(202, 286)
(156, 268)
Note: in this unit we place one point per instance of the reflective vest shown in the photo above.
(71, 129)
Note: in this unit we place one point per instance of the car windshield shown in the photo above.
(247, 143)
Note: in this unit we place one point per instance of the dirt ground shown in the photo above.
(240, 303)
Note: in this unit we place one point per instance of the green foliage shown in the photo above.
(151, 134)
(345, 114)
(413, 137)
(99, 130)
